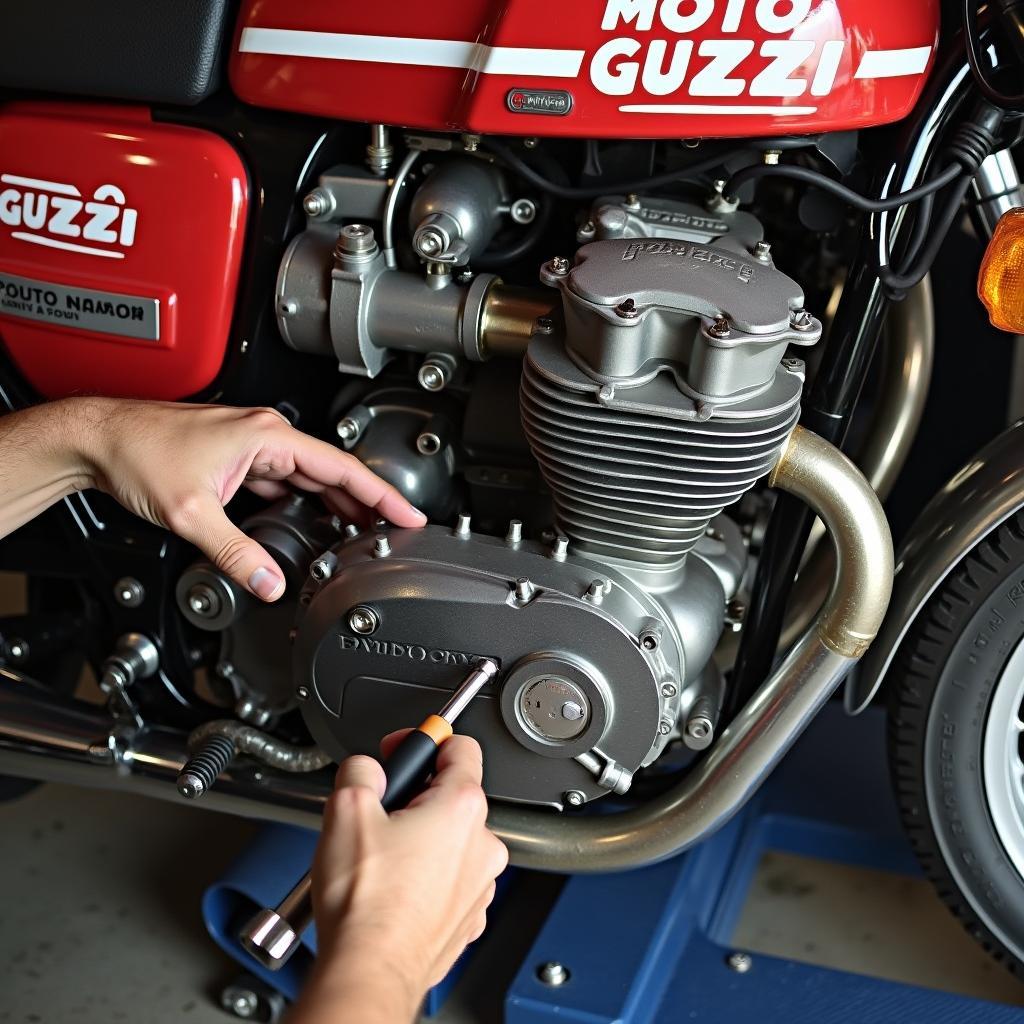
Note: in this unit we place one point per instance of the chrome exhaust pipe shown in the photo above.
(44, 736)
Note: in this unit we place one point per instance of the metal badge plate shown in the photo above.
(87, 309)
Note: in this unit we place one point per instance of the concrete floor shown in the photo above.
(100, 918)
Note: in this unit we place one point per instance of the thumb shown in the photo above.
(206, 525)
(360, 770)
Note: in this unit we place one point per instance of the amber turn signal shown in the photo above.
(1001, 278)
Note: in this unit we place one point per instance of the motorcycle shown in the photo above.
(573, 267)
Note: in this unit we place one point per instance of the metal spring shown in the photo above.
(202, 768)
(642, 486)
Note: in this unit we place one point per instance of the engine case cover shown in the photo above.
(442, 599)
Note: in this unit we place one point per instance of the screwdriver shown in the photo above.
(273, 935)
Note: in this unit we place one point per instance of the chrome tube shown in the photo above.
(756, 740)
(908, 355)
(44, 736)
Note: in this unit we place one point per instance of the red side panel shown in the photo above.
(594, 68)
(120, 242)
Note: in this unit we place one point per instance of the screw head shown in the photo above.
(363, 620)
(543, 325)
(627, 310)
(433, 376)
(553, 973)
(524, 590)
(381, 546)
(321, 569)
(668, 689)
(302, 693)
(649, 640)
(18, 650)
(633, 201)
(664, 727)
(523, 211)
(245, 1004)
(698, 728)
(560, 548)
(762, 251)
(771, 156)
(720, 328)
(739, 962)
(574, 798)
(571, 711)
(315, 204)
(355, 240)
(129, 592)
(530, 143)
(462, 527)
(801, 320)
(348, 429)
(559, 265)
(204, 601)
(428, 443)
(429, 243)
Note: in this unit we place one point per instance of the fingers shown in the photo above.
(361, 770)
(269, 489)
(202, 522)
(324, 464)
(388, 744)
(458, 776)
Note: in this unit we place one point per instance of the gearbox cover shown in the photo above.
(574, 680)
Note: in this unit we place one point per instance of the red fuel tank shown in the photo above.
(591, 68)
(120, 242)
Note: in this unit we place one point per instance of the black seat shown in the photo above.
(155, 51)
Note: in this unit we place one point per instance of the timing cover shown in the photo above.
(443, 598)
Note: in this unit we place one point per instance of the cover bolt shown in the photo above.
(323, 567)
(204, 600)
(633, 201)
(352, 531)
(523, 211)
(129, 592)
(574, 798)
(428, 443)
(462, 526)
(18, 650)
(348, 429)
(543, 325)
(317, 203)
(762, 251)
(720, 328)
(355, 240)
(664, 727)
(801, 320)
(699, 728)
(627, 309)
(515, 532)
(553, 973)
(530, 143)
(595, 592)
(381, 546)
(771, 156)
(302, 693)
(524, 590)
(559, 265)
(739, 962)
(433, 376)
(363, 620)
(668, 690)
(560, 548)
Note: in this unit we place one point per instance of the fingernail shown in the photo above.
(265, 583)
(422, 515)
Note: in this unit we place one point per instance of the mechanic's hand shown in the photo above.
(398, 897)
(178, 465)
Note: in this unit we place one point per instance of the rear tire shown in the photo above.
(956, 690)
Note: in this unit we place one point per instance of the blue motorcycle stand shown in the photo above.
(652, 946)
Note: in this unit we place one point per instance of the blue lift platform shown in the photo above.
(652, 946)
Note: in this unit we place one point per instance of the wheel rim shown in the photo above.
(1002, 760)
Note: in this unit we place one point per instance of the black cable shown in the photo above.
(993, 95)
(828, 184)
(521, 167)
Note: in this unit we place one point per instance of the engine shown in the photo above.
(584, 545)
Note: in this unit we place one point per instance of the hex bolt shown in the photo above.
(129, 592)
(515, 532)
(699, 728)
(627, 310)
(633, 201)
(524, 590)
(762, 251)
(352, 531)
(801, 320)
(574, 798)
(553, 973)
(204, 601)
(433, 376)
(322, 568)
(317, 203)
(560, 548)
(571, 711)
(429, 242)
(245, 1005)
(739, 962)
(595, 592)
(302, 693)
(523, 211)
(462, 526)
(606, 392)
(559, 265)
(355, 240)
(348, 429)
(428, 443)
(363, 620)
(720, 328)
(381, 546)
(668, 689)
